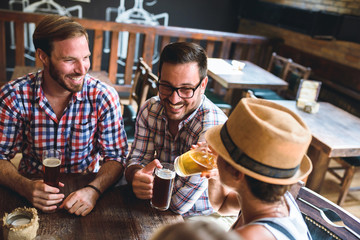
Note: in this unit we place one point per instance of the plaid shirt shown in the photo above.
(91, 126)
(154, 140)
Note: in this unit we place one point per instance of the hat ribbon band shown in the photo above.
(241, 158)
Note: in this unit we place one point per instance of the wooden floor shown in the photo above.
(330, 190)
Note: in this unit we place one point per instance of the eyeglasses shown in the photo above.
(183, 92)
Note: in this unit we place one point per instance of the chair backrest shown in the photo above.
(293, 75)
(20, 71)
(325, 219)
(144, 84)
(278, 65)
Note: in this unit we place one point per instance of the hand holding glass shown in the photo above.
(195, 161)
(163, 185)
(51, 167)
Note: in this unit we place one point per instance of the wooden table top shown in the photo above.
(334, 130)
(118, 214)
(251, 76)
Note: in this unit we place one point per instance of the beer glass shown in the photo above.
(195, 161)
(163, 185)
(51, 167)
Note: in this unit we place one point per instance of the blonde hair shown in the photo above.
(194, 230)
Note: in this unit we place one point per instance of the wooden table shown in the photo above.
(336, 133)
(118, 214)
(251, 76)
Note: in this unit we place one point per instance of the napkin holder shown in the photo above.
(307, 96)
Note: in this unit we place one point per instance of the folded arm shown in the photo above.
(186, 192)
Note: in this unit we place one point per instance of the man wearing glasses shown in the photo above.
(169, 124)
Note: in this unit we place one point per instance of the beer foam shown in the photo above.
(52, 162)
(204, 159)
(165, 174)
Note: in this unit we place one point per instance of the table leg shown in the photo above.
(320, 161)
(228, 96)
(217, 88)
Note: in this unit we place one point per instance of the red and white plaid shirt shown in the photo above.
(91, 126)
(153, 140)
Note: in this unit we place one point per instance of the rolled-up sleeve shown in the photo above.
(10, 125)
(187, 192)
(112, 135)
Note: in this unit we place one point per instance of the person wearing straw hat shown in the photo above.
(261, 153)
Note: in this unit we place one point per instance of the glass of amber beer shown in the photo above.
(195, 161)
(163, 185)
(51, 167)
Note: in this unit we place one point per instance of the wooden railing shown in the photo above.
(141, 39)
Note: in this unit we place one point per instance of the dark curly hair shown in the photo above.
(266, 192)
(184, 52)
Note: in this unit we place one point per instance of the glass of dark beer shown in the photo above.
(51, 167)
(163, 185)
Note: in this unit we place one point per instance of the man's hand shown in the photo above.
(211, 174)
(143, 180)
(45, 197)
(81, 202)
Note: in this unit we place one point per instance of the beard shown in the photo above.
(55, 74)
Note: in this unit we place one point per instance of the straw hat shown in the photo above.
(265, 141)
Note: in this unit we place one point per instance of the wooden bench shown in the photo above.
(217, 44)
(325, 220)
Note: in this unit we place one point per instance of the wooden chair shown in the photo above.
(293, 76)
(218, 100)
(278, 66)
(325, 219)
(20, 71)
(144, 86)
(349, 166)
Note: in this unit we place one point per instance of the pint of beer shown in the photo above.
(194, 162)
(51, 167)
(163, 185)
